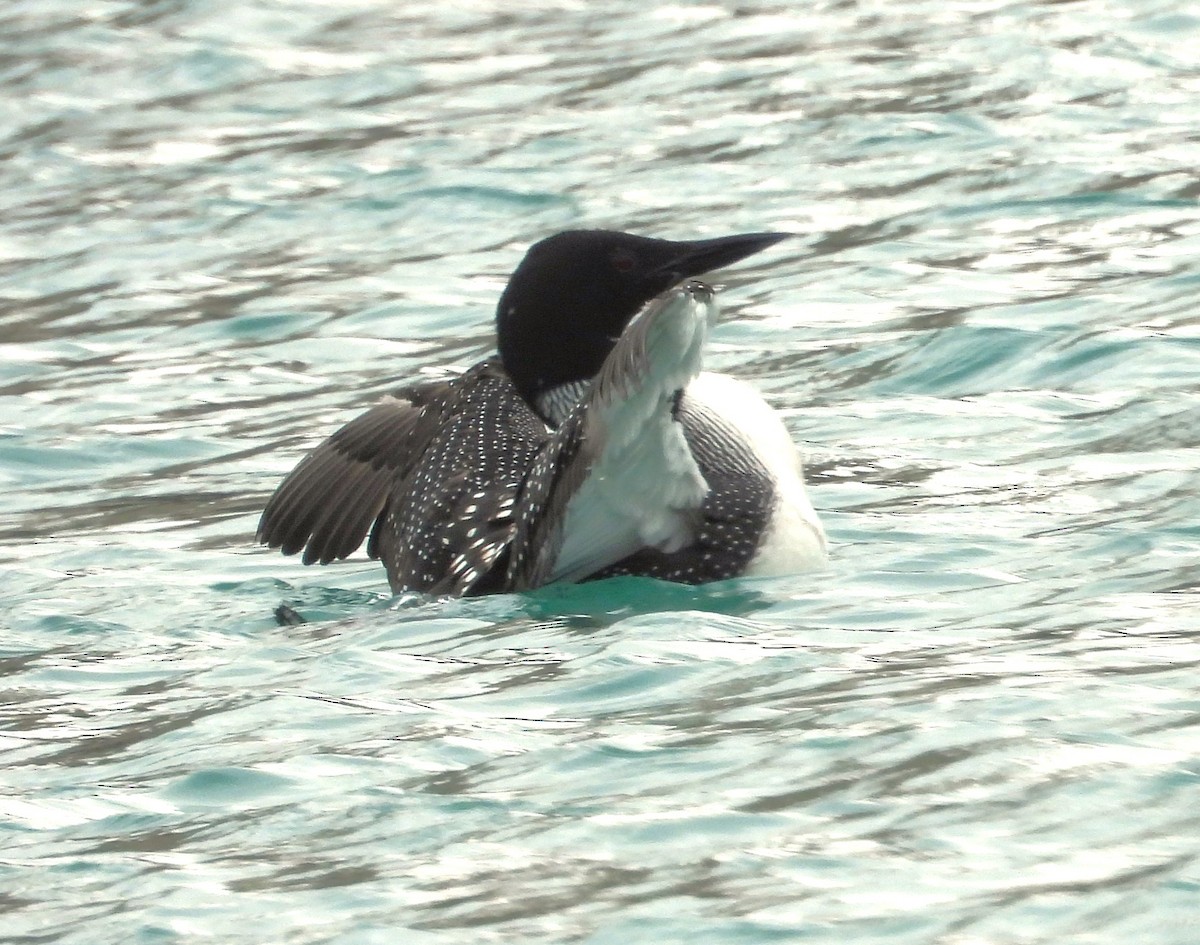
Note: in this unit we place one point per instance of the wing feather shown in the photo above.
(327, 503)
(429, 477)
(618, 476)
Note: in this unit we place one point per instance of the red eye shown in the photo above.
(623, 260)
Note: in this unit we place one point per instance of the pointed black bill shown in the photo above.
(696, 257)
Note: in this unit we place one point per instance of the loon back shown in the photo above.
(432, 474)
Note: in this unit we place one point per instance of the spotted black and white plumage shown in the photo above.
(452, 516)
(559, 402)
(593, 446)
(434, 473)
(733, 516)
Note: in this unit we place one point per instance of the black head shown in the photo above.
(568, 301)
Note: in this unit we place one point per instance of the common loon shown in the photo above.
(591, 446)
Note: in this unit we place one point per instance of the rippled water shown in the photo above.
(225, 228)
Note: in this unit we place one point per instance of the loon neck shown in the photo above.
(555, 404)
(544, 360)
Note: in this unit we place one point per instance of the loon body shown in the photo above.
(591, 446)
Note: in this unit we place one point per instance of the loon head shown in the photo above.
(572, 295)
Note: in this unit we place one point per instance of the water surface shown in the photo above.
(227, 228)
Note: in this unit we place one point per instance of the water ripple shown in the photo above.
(225, 229)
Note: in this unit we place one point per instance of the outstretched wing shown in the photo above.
(327, 504)
(432, 474)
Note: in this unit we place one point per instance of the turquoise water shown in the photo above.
(226, 228)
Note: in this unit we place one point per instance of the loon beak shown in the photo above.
(696, 257)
